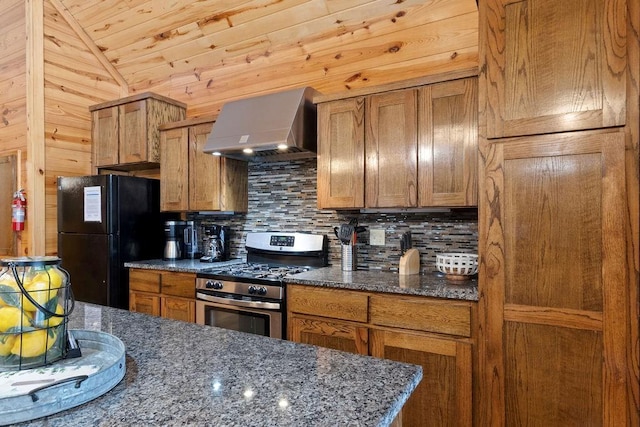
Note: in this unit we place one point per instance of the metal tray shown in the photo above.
(35, 393)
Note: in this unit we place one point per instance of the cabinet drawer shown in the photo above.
(144, 280)
(334, 303)
(421, 314)
(179, 284)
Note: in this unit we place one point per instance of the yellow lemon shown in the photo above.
(52, 276)
(40, 291)
(13, 318)
(40, 321)
(10, 293)
(6, 343)
(33, 343)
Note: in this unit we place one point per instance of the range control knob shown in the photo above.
(213, 284)
(253, 290)
(262, 290)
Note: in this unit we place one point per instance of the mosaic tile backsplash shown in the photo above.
(282, 197)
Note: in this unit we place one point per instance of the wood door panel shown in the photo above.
(556, 258)
(178, 284)
(330, 334)
(553, 373)
(341, 154)
(554, 66)
(334, 303)
(391, 148)
(133, 132)
(144, 280)
(204, 174)
(178, 309)
(174, 170)
(104, 133)
(144, 303)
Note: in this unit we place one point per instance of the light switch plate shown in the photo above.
(376, 237)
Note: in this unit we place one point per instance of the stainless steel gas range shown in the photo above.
(250, 297)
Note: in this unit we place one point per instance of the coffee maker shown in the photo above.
(174, 240)
(216, 243)
(191, 241)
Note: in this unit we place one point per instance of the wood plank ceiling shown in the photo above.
(180, 47)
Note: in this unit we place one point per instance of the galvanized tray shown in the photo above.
(35, 393)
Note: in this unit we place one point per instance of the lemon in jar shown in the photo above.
(41, 321)
(33, 343)
(41, 291)
(51, 275)
(6, 343)
(12, 319)
(9, 292)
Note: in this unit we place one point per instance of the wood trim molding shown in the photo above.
(95, 50)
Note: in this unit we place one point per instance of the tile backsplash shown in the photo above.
(282, 197)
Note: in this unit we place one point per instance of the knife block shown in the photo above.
(409, 262)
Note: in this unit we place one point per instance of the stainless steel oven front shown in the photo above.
(240, 307)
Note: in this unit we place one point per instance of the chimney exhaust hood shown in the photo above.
(274, 127)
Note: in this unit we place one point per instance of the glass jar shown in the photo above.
(35, 302)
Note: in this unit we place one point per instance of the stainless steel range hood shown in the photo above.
(274, 127)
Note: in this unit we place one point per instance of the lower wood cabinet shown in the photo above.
(433, 333)
(163, 293)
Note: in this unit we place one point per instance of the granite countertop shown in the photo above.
(181, 373)
(431, 285)
(180, 265)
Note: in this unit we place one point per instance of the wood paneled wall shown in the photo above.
(74, 80)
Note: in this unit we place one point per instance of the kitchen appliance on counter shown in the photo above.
(216, 242)
(250, 297)
(191, 237)
(103, 222)
(173, 240)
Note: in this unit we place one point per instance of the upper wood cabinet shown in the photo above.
(391, 163)
(125, 131)
(552, 66)
(341, 154)
(406, 148)
(191, 180)
(448, 144)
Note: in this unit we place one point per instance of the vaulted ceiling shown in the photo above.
(182, 46)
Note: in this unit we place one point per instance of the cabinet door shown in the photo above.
(341, 154)
(144, 303)
(554, 294)
(174, 170)
(204, 174)
(448, 144)
(551, 66)
(329, 333)
(133, 132)
(178, 309)
(104, 133)
(444, 396)
(391, 148)
(179, 284)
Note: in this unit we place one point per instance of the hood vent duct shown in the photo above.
(274, 127)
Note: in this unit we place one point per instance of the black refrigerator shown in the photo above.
(103, 222)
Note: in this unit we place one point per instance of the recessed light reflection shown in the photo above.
(282, 146)
(217, 153)
(248, 393)
(283, 403)
(217, 386)
(247, 150)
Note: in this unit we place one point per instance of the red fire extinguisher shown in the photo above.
(18, 210)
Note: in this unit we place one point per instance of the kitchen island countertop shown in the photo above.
(186, 374)
(430, 285)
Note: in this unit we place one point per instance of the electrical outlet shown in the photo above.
(376, 237)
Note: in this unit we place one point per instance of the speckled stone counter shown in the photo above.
(180, 265)
(185, 374)
(431, 285)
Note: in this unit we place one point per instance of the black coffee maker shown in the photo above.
(216, 243)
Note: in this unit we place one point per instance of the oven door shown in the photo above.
(256, 317)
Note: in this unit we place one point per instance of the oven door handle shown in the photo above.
(239, 303)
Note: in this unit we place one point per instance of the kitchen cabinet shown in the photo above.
(414, 147)
(191, 180)
(448, 144)
(436, 334)
(125, 132)
(553, 66)
(556, 308)
(341, 154)
(162, 293)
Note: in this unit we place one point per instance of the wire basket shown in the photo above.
(459, 266)
(35, 302)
